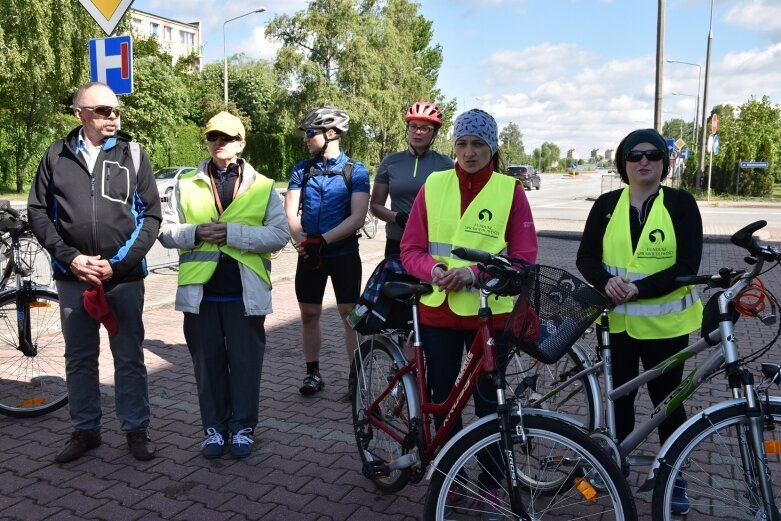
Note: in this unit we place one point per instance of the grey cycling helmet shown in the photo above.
(324, 118)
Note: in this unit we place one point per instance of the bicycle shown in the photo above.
(370, 224)
(721, 452)
(32, 350)
(499, 461)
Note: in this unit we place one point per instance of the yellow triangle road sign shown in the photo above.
(107, 13)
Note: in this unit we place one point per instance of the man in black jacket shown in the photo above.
(94, 206)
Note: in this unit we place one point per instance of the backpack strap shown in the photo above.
(310, 172)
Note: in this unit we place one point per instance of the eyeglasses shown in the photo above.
(425, 129)
(104, 111)
(222, 137)
(634, 156)
(312, 133)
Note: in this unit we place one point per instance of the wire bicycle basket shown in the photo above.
(554, 309)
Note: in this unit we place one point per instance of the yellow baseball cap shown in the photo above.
(226, 123)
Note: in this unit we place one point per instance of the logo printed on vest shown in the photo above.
(485, 214)
(655, 235)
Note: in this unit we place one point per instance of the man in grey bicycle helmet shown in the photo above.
(326, 203)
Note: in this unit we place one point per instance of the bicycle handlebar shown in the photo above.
(5, 206)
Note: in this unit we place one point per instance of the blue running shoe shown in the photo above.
(680, 501)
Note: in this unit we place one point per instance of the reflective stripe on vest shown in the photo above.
(483, 227)
(676, 313)
(196, 202)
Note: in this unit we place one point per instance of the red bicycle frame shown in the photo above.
(479, 360)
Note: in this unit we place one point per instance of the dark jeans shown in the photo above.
(82, 350)
(227, 349)
(392, 248)
(444, 351)
(627, 353)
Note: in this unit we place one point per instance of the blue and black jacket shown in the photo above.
(112, 211)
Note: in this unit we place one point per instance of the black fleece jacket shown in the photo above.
(113, 211)
(686, 221)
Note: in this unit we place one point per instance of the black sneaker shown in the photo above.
(80, 442)
(313, 383)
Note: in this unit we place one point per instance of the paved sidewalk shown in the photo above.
(305, 464)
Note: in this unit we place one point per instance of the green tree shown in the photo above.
(373, 58)
(546, 155)
(43, 47)
(511, 144)
(678, 128)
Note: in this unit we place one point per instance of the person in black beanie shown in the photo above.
(636, 241)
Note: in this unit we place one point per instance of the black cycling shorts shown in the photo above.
(345, 273)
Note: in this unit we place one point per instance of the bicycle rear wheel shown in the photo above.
(370, 225)
(374, 367)
(580, 400)
(718, 483)
(468, 480)
(32, 377)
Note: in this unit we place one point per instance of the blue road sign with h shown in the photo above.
(111, 62)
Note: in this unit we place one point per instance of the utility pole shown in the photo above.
(703, 131)
(659, 67)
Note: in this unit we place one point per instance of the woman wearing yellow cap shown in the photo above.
(225, 219)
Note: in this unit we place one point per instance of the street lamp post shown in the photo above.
(699, 78)
(225, 55)
(694, 128)
(701, 158)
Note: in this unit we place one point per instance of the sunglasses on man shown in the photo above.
(634, 156)
(222, 137)
(104, 111)
(312, 133)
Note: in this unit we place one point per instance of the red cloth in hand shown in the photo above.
(96, 304)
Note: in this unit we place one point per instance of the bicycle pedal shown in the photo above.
(376, 470)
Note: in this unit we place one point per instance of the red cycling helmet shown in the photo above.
(424, 111)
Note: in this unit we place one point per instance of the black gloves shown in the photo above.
(401, 219)
(313, 250)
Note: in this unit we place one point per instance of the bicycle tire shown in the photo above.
(451, 493)
(578, 400)
(375, 446)
(713, 470)
(370, 225)
(32, 385)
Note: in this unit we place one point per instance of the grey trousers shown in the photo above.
(227, 349)
(82, 348)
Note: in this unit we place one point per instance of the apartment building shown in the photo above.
(174, 37)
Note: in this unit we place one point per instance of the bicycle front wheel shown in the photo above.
(469, 480)
(719, 469)
(32, 371)
(380, 434)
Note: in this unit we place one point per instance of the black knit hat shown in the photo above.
(645, 135)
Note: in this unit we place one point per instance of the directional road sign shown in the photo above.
(754, 164)
(107, 13)
(111, 62)
(670, 145)
(715, 144)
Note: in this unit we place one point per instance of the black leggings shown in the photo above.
(627, 353)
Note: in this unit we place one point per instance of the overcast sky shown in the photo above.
(578, 73)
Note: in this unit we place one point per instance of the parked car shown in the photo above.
(167, 177)
(526, 175)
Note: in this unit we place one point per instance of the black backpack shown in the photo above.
(374, 312)
(311, 171)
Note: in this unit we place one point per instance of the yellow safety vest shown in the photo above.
(675, 314)
(196, 201)
(482, 227)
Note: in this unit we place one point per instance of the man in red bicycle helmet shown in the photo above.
(401, 174)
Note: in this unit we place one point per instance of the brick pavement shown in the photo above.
(305, 465)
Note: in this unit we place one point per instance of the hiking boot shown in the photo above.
(457, 497)
(214, 445)
(680, 501)
(140, 445)
(80, 442)
(313, 383)
(241, 446)
(489, 505)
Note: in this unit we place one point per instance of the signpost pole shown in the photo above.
(710, 170)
